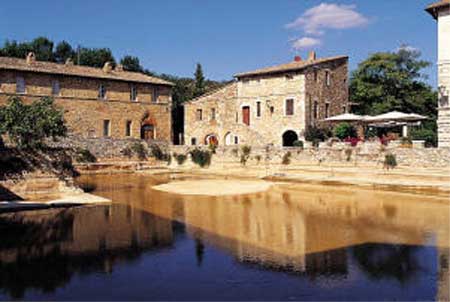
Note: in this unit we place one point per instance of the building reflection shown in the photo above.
(305, 229)
(44, 249)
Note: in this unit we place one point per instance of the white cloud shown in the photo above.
(328, 16)
(305, 43)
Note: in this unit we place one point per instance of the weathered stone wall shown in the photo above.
(271, 91)
(444, 78)
(370, 154)
(85, 113)
(335, 94)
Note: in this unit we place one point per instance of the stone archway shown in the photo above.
(148, 128)
(228, 139)
(289, 137)
(211, 139)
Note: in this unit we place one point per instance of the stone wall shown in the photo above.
(85, 113)
(367, 154)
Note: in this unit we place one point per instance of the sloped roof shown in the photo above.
(77, 70)
(291, 66)
(226, 92)
(434, 7)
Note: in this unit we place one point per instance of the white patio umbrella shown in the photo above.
(395, 116)
(346, 117)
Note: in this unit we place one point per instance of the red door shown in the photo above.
(246, 115)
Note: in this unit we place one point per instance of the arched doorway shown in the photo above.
(211, 139)
(228, 139)
(289, 137)
(148, 132)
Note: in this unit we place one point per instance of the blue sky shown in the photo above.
(226, 36)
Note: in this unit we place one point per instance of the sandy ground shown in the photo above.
(64, 201)
(213, 187)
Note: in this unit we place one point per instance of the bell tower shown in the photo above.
(441, 13)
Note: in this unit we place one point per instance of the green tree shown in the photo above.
(63, 52)
(43, 49)
(95, 57)
(389, 81)
(131, 63)
(344, 130)
(29, 125)
(199, 88)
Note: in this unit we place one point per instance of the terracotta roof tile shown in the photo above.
(432, 8)
(76, 70)
(291, 66)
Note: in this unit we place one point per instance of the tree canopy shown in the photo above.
(388, 81)
(29, 125)
(131, 63)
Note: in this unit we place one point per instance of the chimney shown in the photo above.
(107, 67)
(311, 56)
(69, 61)
(31, 58)
(119, 67)
(297, 59)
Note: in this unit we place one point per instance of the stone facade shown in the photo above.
(269, 107)
(441, 12)
(85, 111)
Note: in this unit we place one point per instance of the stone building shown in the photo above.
(271, 105)
(441, 12)
(108, 102)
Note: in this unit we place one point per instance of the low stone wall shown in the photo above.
(371, 154)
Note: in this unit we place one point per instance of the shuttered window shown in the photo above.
(289, 107)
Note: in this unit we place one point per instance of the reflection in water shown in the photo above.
(295, 239)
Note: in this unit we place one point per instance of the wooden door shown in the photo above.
(246, 115)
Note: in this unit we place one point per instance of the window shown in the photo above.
(289, 77)
(55, 87)
(128, 128)
(272, 109)
(236, 140)
(289, 107)
(258, 109)
(102, 92)
(20, 85)
(327, 110)
(328, 77)
(344, 109)
(315, 75)
(213, 114)
(316, 110)
(199, 115)
(155, 95)
(237, 117)
(133, 93)
(106, 128)
(193, 141)
(246, 115)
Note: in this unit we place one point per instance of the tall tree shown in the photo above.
(199, 87)
(63, 52)
(95, 57)
(392, 81)
(131, 63)
(42, 48)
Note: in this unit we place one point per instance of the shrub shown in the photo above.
(258, 158)
(286, 160)
(348, 154)
(200, 157)
(139, 150)
(298, 144)
(344, 130)
(29, 125)
(428, 135)
(85, 156)
(159, 154)
(390, 161)
(245, 150)
(180, 158)
(127, 152)
(316, 135)
(212, 148)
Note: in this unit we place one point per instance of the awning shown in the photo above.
(395, 116)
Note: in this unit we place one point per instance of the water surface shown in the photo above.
(293, 242)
